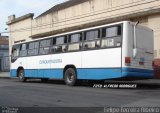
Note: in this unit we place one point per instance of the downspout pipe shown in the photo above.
(135, 41)
(135, 37)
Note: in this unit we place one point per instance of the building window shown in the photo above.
(4, 47)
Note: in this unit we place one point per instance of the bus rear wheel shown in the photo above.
(21, 76)
(70, 77)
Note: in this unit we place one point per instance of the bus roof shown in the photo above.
(76, 31)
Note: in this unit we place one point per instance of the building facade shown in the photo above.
(78, 14)
(4, 53)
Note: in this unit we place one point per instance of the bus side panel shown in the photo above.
(40, 67)
(44, 66)
(30, 69)
(99, 73)
(101, 64)
(63, 60)
(52, 73)
(47, 66)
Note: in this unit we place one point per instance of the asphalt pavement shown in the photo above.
(56, 97)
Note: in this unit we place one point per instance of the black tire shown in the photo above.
(70, 77)
(21, 76)
(44, 80)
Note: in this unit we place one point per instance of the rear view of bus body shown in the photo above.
(137, 51)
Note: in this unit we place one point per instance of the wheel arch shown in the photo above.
(69, 66)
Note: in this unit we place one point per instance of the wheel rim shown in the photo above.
(21, 75)
(70, 77)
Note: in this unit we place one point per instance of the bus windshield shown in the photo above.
(15, 53)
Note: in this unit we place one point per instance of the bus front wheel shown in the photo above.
(70, 77)
(21, 76)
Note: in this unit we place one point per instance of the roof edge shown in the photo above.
(62, 6)
(96, 23)
(30, 15)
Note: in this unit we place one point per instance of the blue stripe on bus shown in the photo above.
(13, 73)
(40, 73)
(88, 74)
(133, 72)
(99, 74)
(137, 70)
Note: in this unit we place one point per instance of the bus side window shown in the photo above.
(59, 44)
(23, 50)
(75, 43)
(44, 47)
(15, 53)
(91, 39)
(33, 48)
(111, 37)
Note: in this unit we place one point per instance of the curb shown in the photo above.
(8, 78)
(5, 78)
(5, 75)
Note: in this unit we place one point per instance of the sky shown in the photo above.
(22, 7)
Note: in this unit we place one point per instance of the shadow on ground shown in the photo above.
(109, 84)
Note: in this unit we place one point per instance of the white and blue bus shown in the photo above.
(117, 50)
